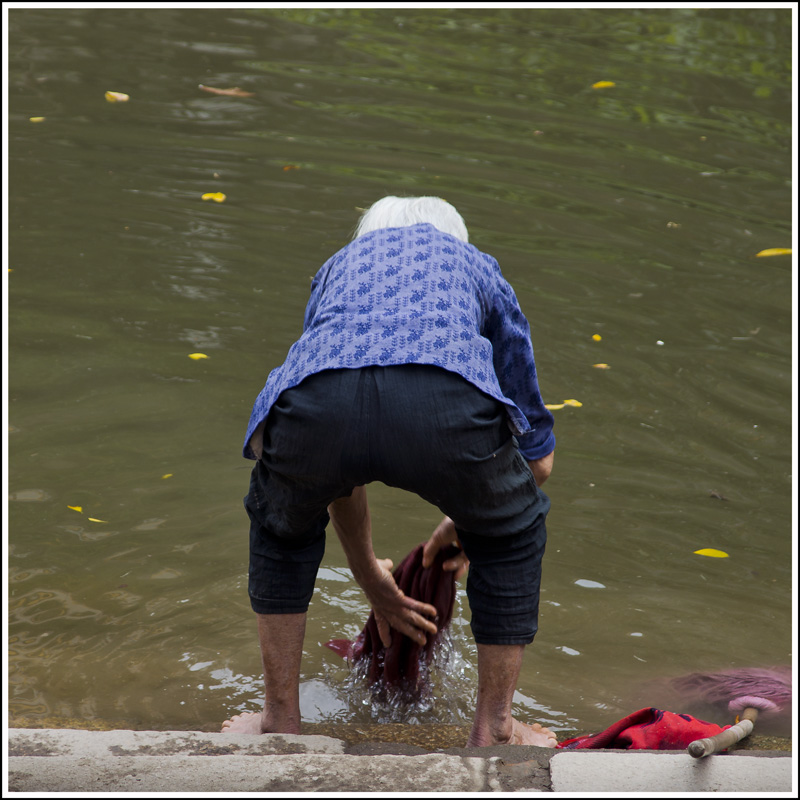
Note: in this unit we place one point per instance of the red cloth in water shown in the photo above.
(647, 729)
(398, 666)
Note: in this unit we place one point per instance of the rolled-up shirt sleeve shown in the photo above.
(507, 328)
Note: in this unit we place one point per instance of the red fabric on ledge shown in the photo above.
(647, 729)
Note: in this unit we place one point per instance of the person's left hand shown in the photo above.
(393, 609)
(443, 535)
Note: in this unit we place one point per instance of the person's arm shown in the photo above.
(507, 328)
(351, 521)
(542, 467)
(445, 532)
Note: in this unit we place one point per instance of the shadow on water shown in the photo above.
(627, 217)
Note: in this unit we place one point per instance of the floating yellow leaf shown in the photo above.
(711, 553)
(601, 366)
(197, 356)
(92, 519)
(775, 251)
(168, 475)
(217, 197)
(597, 337)
(556, 406)
(290, 166)
(76, 508)
(234, 92)
(117, 97)
(603, 85)
(36, 119)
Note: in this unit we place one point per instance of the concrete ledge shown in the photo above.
(34, 742)
(288, 773)
(67, 760)
(647, 771)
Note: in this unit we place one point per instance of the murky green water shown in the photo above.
(632, 212)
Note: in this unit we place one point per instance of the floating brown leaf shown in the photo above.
(234, 92)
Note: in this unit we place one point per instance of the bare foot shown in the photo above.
(249, 722)
(517, 733)
(532, 734)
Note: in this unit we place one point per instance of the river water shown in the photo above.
(627, 217)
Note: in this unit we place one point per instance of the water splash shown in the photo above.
(448, 697)
(449, 684)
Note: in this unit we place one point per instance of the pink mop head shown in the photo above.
(748, 701)
(765, 689)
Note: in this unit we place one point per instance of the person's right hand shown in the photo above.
(443, 535)
(395, 610)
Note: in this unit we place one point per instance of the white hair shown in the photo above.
(399, 212)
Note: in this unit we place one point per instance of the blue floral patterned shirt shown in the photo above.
(415, 295)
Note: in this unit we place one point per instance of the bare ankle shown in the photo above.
(279, 719)
(484, 734)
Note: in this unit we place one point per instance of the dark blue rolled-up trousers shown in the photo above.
(416, 427)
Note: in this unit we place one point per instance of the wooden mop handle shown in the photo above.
(705, 747)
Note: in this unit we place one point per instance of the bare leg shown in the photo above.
(281, 640)
(498, 670)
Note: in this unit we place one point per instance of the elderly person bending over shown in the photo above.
(415, 368)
